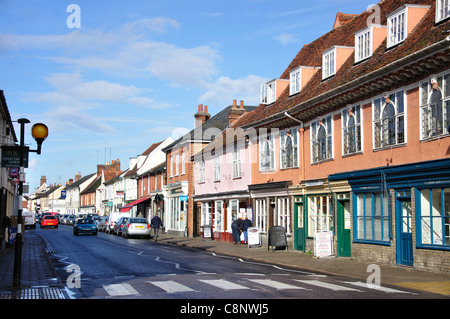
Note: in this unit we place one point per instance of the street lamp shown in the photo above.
(39, 132)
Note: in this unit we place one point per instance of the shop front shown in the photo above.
(272, 204)
(401, 214)
(176, 208)
(219, 210)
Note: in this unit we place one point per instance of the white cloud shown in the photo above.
(224, 90)
(287, 38)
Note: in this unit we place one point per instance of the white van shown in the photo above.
(29, 217)
(113, 218)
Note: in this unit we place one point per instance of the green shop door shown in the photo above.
(343, 228)
(299, 217)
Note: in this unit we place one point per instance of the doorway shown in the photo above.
(403, 217)
(343, 228)
(299, 225)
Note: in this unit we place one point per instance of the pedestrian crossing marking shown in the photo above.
(171, 287)
(326, 285)
(120, 290)
(377, 287)
(223, 284)
(275, 284)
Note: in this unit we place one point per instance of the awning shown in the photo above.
(129, 206)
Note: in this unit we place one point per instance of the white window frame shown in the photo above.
(442, 10)
(268, 92)
(177, 164)
(261, 215)
(379, 124)
(329, 63)
(217, 168)
(325, 122)
(284, 214)
(356, 111)
(397, 27)
(266, 156)
(183, 163)
(201, 171)
(218, 215)
(319, 214)
(429, 127)
(295, 148)
(237, 172)
(363, 44)
(206, 214)
(295, 79)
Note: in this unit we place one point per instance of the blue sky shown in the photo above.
(135, 71)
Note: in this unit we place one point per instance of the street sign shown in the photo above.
(11, 156)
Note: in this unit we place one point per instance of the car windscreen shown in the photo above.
(85, 221)
(138, 221)
(49, 217)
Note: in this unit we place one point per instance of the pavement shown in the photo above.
(39, 279)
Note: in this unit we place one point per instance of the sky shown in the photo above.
(110, 78)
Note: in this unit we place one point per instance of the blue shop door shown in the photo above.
(404, 231)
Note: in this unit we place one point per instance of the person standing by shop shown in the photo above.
(155, 224)
(236, 230)
(245, 226)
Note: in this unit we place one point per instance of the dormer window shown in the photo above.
(268, 92)
(368, 40)
(295, 81)
(272, 90)
(299, 77)
(397, 28)
(403, 20)
(329, 63)
(442, 10)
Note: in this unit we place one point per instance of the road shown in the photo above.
(111, 267)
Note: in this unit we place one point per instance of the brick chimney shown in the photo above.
(201, 116)
(43, 180)
(235, 112)
(77, 176)
(110, 169)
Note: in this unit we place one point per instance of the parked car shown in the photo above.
(113, 218)
(119, 225)
(49, 221)
(42, 215)
(29, 219)
(70, 220)
(63, 219)
(102, 223)
(136, 227)
(85, 226)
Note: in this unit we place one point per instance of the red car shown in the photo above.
(49, 221)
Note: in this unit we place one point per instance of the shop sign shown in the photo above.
(322, 244)
(254, 237)
(184, 198)
(11, 156)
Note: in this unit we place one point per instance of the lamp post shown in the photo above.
(39, 133)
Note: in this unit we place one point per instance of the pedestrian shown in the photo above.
(245, 225)
(236, 229)
(155, 224)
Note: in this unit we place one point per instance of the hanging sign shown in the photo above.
(11, 156)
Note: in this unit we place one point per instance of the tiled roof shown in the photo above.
(317, 90)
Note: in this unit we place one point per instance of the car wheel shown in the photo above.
(95, 234)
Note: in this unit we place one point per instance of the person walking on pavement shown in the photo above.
(245, 225)
(155, 224)
(235, 228)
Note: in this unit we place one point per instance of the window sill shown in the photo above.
(389, 147)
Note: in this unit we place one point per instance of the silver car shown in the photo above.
(136, 227)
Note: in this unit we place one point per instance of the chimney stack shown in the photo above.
(77, 176)
(235, 112)
(201, 116)
(43, 180)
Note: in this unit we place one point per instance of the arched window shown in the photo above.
(322, 139)
(435, 107)
(351, 130)
(389, 120)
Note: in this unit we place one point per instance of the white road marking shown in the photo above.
(171, 287)
(120, 290)
(326, 285)
(224, 284)
(275, 284)
(377, 287)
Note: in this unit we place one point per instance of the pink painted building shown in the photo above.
(222, 175)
